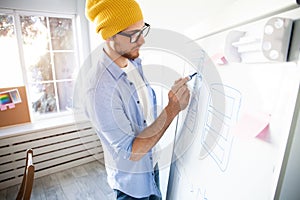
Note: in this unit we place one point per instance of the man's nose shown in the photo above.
(141, 40)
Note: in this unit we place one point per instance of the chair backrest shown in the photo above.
(28, 177)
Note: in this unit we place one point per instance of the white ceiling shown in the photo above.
(178, 14)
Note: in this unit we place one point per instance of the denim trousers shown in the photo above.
(122, 196)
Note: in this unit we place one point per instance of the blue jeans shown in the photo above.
(122, 196)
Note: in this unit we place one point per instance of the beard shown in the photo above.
(131, 55)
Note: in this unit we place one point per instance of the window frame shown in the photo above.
(18, 34)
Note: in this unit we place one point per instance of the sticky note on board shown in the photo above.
(252, 124)
(3, 107)
(11, 105)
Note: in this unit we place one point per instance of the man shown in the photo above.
(121, 104)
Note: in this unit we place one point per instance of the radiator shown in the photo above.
(54, 150)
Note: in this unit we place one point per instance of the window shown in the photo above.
(47, 58)
(11, 73)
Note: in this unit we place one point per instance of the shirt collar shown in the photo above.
(113, 68)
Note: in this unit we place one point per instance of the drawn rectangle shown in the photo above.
(218, 125)
(219, 98)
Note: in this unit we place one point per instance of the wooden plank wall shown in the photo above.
(54, 150)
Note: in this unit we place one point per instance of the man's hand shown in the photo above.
(179, 96)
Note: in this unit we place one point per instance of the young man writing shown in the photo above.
(121, 104)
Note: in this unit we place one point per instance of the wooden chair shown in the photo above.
(28, 177)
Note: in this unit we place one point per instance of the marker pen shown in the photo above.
(191, 76)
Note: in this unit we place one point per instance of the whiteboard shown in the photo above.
(213, 159)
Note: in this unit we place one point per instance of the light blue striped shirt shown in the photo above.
(112, 105)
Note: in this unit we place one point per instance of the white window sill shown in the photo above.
(40, 125)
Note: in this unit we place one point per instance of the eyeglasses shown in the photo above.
(134, 37)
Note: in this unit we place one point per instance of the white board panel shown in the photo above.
(218, 153)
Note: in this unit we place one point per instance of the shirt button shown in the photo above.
(138, 101)
(144, 121)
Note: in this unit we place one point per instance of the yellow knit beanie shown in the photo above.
(112, 16)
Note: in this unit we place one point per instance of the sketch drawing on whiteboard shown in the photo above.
(215, 139)
(189, 188)
(201, 195)
(181, 179)
(191, 121)
(192, 117)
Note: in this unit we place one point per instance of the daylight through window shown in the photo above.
(48, 49)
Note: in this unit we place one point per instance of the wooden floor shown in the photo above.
(83, 182)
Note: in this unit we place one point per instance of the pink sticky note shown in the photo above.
(3, 107)
(219, 58)
(11, 105)
(252, 124)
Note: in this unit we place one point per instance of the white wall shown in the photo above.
(83, 30)
(178, 15)
(237, 13)
(197, 18)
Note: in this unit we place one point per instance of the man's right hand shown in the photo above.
(179, 96)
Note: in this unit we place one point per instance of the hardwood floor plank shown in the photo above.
(79, 171)
(65, 177)
(94, 168)
(104, 185)
(2, 194)
(50, 181)
(55, 193)
(84, 182)
(12, 192)
(38, 192)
